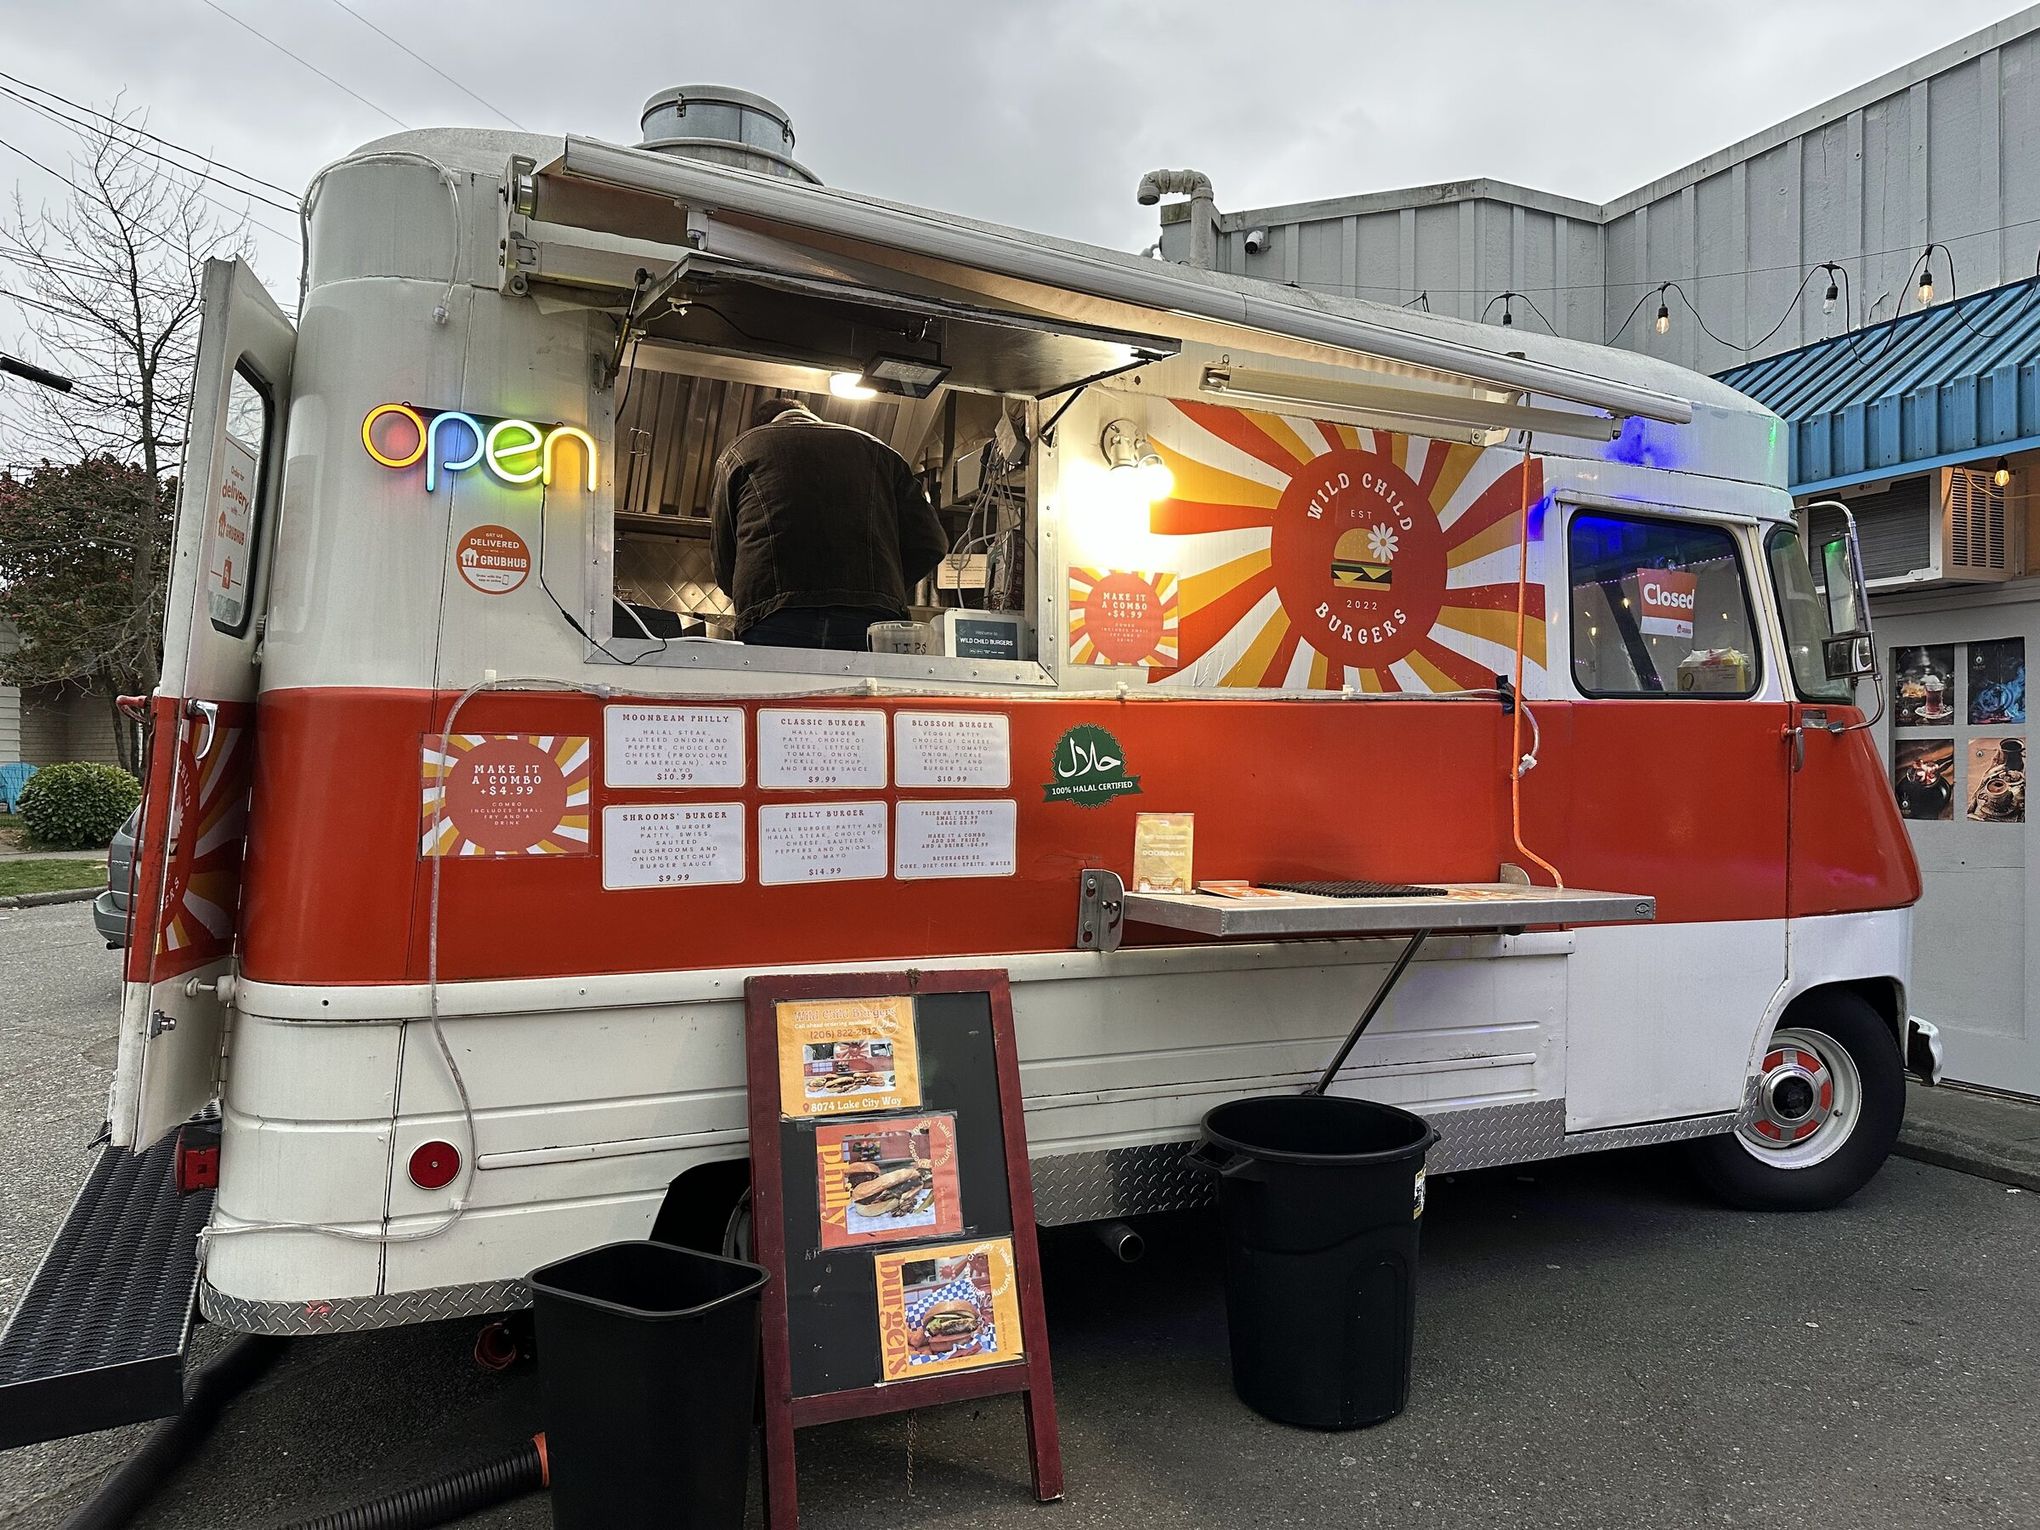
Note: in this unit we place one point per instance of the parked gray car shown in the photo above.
(110, 908)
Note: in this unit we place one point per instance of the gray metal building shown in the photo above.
(1920, 413)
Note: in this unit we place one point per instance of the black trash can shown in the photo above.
(648, 1371)
(1321, 1200)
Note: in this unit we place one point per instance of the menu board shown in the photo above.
(700, 843)
(952, 749)
(821, 842)
(820, 749)
(893, 1206)
(672, 746)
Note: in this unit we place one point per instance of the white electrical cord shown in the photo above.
(447, 178)
(432, 1018)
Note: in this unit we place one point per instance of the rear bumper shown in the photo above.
(110, 917)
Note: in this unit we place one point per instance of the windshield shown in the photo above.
(1806, 622)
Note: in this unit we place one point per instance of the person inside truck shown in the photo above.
(818, 530)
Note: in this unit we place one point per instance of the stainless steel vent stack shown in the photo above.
(725, 127)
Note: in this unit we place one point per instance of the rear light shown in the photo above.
(435, 1165)
(197, 1158)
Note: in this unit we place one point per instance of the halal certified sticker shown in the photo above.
(1089, 769)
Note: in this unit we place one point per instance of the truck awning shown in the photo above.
(1010, 268)
(1924, 390)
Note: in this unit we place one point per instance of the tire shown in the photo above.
(1830, 1100)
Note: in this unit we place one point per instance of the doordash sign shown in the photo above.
(449, 441)
(1666, 598)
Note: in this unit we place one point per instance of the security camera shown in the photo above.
(1257, 240)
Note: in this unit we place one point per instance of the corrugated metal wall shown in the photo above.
(1947, 149)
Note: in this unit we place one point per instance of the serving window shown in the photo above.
(1659, 608)
(676, 417)
(955, 389)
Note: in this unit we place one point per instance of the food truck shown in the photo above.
(466, 820)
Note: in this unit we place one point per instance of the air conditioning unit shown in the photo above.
(1951, 526)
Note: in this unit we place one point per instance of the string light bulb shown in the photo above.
(1827, 302)
(1664, 317)
(1508, 310)
(1927, 277)
(2003, 476)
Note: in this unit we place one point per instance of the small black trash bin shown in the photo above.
(1321, 1199)
(648, 1371)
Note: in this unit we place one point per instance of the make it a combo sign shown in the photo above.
(892, 1205)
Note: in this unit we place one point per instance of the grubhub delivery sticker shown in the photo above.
(493, 559)
(504, 794)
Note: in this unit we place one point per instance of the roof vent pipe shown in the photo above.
(1195, 185)
(724, 126)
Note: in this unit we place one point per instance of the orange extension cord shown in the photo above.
(1522, 702)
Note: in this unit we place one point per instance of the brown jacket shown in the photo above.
(805, 513)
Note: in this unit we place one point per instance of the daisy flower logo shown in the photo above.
(1381, 544)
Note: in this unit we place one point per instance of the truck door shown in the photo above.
(200, 721)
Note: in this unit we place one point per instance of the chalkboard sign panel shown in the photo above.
(892, 1205)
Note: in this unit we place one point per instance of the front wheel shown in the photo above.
(1829, 1101)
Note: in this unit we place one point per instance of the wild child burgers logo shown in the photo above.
(1317, 555)
(1089, 769)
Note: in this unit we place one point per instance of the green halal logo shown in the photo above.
(1090, 768)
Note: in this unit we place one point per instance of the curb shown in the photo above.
(1968, 1161)
(42, 899)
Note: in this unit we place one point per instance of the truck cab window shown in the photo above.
(1659, 608)
(1804, 614)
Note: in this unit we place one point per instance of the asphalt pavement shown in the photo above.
(1598, 1346)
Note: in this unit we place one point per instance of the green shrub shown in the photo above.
(77, 807)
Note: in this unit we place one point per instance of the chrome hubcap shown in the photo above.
(1806, 1101)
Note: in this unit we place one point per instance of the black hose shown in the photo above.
(176, 1440)
(453, 1496)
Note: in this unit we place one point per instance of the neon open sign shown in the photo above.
(448, 441)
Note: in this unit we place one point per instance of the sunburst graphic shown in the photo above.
(204, 877)
(1275, 593)
(1119, 616)
(505, 794)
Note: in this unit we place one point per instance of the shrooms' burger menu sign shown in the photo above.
(893, 1207)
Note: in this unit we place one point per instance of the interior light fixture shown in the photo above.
(2002, 477)
(1135, 464)
(910, 375)
(850, 385)
(1400, 408)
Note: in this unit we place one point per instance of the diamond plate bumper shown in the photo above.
(350, 1314)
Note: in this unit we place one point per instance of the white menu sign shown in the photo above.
(955, 839)
(672, 746)
(672, 845)
(952, 749)
(821, 842)
(814, 750)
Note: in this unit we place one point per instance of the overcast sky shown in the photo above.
(1043, 113)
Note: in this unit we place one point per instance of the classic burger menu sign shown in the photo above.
(892, 1206)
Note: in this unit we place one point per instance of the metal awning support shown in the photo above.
(1147, 285)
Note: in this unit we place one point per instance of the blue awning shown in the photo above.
(1937, 386)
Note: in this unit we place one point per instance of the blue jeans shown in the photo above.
(815, 627)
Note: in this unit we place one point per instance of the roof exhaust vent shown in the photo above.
(724, 126)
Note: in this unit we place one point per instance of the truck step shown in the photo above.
(99, 1336)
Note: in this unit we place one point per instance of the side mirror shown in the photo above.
(1849, 653)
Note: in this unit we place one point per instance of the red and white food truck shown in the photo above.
(466, 823)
